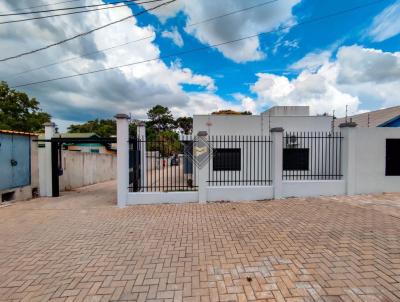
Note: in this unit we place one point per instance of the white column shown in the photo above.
(141, 134)
(349, 157)
(122, 159)
(202, 162)
(45, 172)
(277, 161)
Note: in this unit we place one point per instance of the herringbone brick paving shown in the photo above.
(291, 250)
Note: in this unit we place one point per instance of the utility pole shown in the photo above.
(347, 108)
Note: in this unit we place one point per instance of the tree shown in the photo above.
(103, 128)
(160, 118)
(19, 112)
(231, 112)
(184, 124)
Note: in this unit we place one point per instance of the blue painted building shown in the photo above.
(18, 165)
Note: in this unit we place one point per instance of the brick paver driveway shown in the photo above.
(82, 248)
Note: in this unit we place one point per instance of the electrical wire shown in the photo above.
(42, 5)
(69, 8)
(85, 33)
(148, 37)
(73, 13)
(232, 13)
(193, 50)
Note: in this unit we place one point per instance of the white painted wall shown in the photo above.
(258, 125)
(82, 169)
(313, 188)
(369, 160)
(243, 193)
(138, 198)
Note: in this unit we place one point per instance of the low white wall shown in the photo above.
(231, 193)
(162, 197)
(82, 169)
(370, 161)
(313, 188)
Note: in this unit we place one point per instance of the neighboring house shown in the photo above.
(389, 117)
(290, 118)
(84, 147)
(19, 176)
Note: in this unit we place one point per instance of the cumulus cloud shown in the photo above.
(386, 24)
(251, 22)
(312, 61)
(356, 75)
(130, 89)
(174, 35)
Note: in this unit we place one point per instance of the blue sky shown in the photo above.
(232, 78)
(351, 59)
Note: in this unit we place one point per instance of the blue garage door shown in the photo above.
(15, 161)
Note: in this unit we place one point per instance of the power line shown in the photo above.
(193, 50)
(42, 5)
(85, 33)
(232, 13)
(84, 55)
(68, 8)
(78, 12)
(148, 37)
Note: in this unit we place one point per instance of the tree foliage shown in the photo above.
(160, 118)
(231, 112)
(184, 124)
(19, 112)
(103, 128)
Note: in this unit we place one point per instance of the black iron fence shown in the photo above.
(162, 165)
(312, 156)
(239, 161)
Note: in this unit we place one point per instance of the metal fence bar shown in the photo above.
(239, 160)
(312, 156)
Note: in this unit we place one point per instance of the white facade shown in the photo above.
(293, 118)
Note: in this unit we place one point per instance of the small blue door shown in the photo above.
(15, 161)
(5, 158)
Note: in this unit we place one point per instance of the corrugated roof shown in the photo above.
(376, 118)
(18, 132)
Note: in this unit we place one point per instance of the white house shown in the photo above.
(290, 118)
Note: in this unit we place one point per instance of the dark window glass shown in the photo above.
(295, 159)
(393, 157)
(226, 159)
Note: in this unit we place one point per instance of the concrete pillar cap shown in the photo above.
(121, 116)
(49, 124)
(348, 125)
(277, 129)
(202, 133)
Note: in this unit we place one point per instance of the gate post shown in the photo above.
(277, 161)
(201, 152)
(45, 160)
(122, 159)
(141, 134)
(349, 157)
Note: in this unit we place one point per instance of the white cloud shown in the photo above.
(312, 61)
(250, 22)
(131, 89)
(387, 24)
(174, 35)
(356, 75)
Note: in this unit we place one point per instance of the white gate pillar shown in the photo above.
(349, 157)
(277, 161)
(200, 153)
(141, 135)
(45, 171)
(122, 159)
